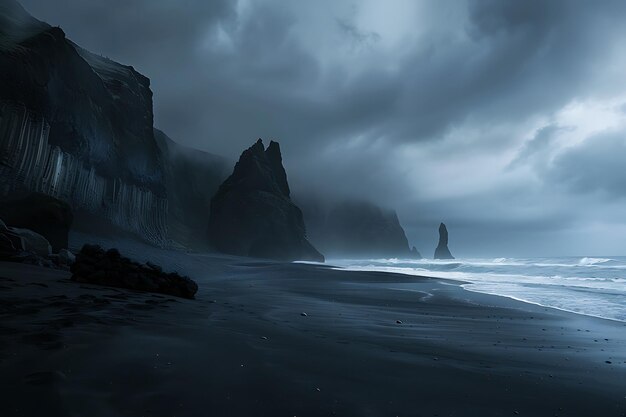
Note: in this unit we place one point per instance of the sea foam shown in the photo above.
(593, 286)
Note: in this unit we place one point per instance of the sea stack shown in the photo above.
(442, 251)
(252, 213)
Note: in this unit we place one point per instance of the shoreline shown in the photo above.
(463, 284)
(578, 313)
(243, 346)
(473, 283)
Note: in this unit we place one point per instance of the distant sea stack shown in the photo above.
(442, 251)
(252, 213)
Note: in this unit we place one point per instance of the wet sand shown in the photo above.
(369, 344)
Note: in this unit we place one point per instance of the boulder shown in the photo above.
(94, 265)
(442, 251)
(66, 257)
(24, 246)
(31, 242)
(252, 213)
(11, 243)
(43, 214)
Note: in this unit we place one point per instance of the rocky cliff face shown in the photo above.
(442, 251)
(357, 229)
(78, 127)
(252, 213)
(97, 110)
(192, 177)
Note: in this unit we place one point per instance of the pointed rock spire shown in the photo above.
(276, 163)
(252, 214)
(442, 251)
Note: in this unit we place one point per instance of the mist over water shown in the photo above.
(594, 286)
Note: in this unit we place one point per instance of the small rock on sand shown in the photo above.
(66, 257)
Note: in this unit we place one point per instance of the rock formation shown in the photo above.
(252, 213)
(26, 246)
(78, 127)
(48, 216)
(442, 251)
(357, 229)
(94, 265)
(97, 110)
(33, 241)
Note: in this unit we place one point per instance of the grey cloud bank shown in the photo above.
(504, 119)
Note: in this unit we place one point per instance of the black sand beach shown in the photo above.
(368, 344)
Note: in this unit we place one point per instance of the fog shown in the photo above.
(504, 119)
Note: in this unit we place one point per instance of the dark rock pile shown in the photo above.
(94, 265)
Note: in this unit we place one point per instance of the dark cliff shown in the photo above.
(192, 177)
(442, 251)
(99, 111)
(78, 127)
(252, 213)
(357, 229)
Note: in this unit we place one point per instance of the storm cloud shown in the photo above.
(505, 119)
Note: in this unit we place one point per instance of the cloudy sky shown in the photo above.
(505, 119)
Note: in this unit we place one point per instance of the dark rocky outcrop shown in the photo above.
(98, 110)
(442, 251)
(357, 229)
(79, 127)
(192, 177)
(26, 246)
(48, 216)
(94, 265)
(252, 213)
(16, 242)
(30, 241)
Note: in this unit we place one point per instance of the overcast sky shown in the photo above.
(505, 119)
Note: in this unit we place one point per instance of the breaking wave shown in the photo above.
(594, 286)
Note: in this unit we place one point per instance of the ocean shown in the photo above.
(593, 286)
